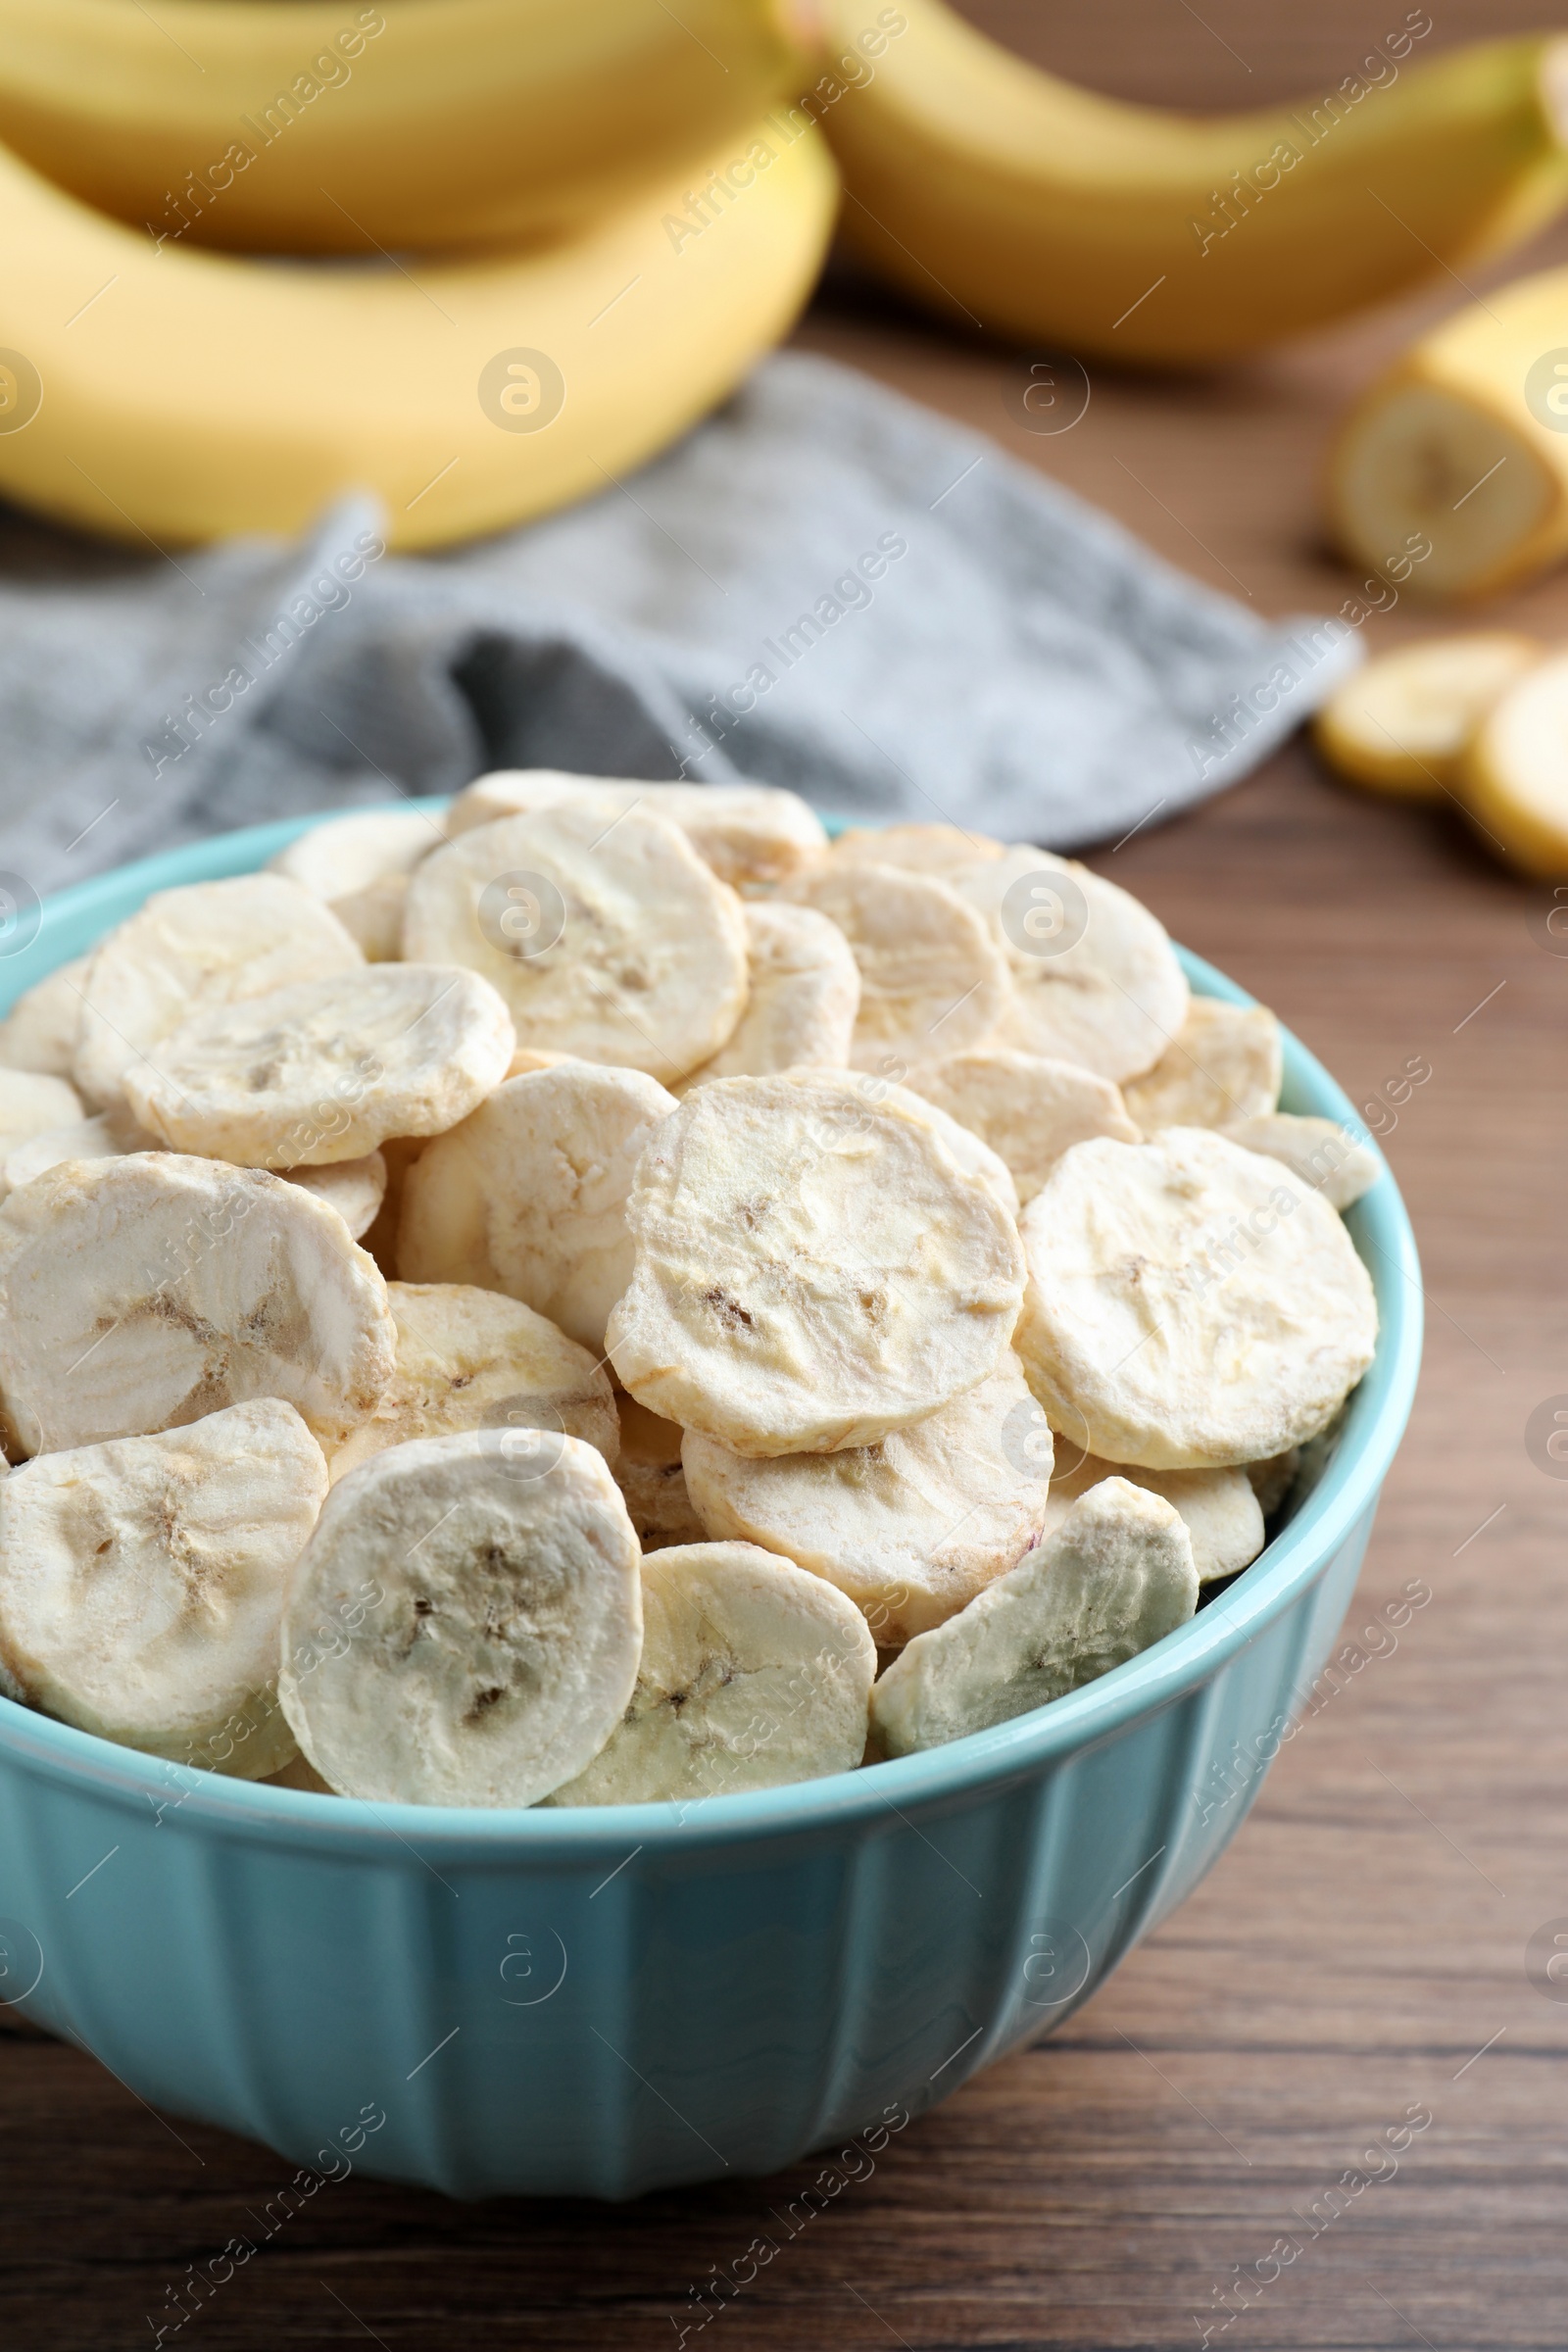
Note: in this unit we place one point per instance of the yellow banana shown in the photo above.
(179, 396)
(995, 193)
(1466, 439)
(332, 126)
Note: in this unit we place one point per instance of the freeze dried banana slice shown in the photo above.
(966, 1149)
(1190, 1304)
(142, 1584)
(750, 834)
(1094, 978)
(355, 1188)
(326, 1070)
(140, 1293)
(1116, 1577)
(931, 980)
(917, 848)
(530, 1058)
(653, 1485)
(32, 1103)
(1323, 1154)
(813, 1269)
(360, 864)
(1027, 1109)
(1272, 1480)
(804, 994)
(189, 950)
(607, 936)
(909, 1529)
(83, 1139)
(529, 1195)
(1225, 1063)
(500, 1647)
(753, 1675)
(1219, 1508)
(39, 1032)
(468, 1358)
(1400, 723)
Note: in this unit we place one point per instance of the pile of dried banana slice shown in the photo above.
(816, 1300)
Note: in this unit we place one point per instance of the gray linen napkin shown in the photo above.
(823, 586)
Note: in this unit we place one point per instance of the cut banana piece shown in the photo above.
(499, 1644)
(355, 1188)
(909, 1529)
(399, 1152)
(968, 1153)
(1095, 980)
(83, 1139)
(1190, 1304)
(607, 935)
(190, 950)
(1028, 1108)
(32, 1103)
(935, 849)
(1322, 1154)
(360, 865)
(752, 835)
(144, 1293)
(932, 981)
(39, 1032)
(329, 1069)
(1116, 1577)
(804, 991)
(142, 1584)
(529, 1195)
(652, 1483)
(1219, 1508)
(1514, 774)
(1271, 1481)
(1400, 723)
(812, 1270)
(753, 1675)
(468, 1358)
(1225, 1063)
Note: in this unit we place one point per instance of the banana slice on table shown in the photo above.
(931, 980)
(355, 1188)
(813, 1269)
(606, 934)
(31, 1104)
(189, 950)
(142, 1584)
(804, 991)
(1322, 1153)
(752, 835)
(360, 865)
(652, 1482)
(934, 849)
(1190, 1304)
(328, 1069)
(1400, 723)
(1094, 978)
(1028, 1108)
(468, 1358)
(39, 1032)
(1224, 1063)
(144, 1293)
(498, 1623)
(528, 1195)
(753, 1675)
(1116, 1576)
(1219, 1508)
(1514, 772)
(909, 1529)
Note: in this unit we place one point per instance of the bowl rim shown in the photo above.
(937, 1779)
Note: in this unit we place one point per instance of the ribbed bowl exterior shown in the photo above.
(606, 2003)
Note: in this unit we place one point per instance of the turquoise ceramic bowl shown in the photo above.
(604, 2002)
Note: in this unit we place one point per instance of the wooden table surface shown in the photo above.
(1361, 1947)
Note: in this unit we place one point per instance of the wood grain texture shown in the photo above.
(1360, 1948)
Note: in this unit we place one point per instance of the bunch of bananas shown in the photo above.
(531, 240)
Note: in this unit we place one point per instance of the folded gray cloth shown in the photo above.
(823, 586)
